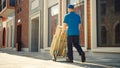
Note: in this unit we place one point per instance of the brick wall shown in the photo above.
(22, 15)
(60, 12)
(88, 24)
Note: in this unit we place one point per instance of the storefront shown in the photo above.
(100, 23)
(80, 8)
(51, 20)
(54, 14)
(105, 25)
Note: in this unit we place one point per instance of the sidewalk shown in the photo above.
(94, 60)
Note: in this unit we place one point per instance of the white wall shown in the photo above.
(52, 2)
(35, 4)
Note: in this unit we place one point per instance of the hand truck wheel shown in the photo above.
(54, 55)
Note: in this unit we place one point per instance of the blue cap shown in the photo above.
(71, 6)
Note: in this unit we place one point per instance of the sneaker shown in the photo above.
(83, 58)
(68, 60)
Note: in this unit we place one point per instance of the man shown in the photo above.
(72, 21)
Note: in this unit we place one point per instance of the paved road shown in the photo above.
(13, 59)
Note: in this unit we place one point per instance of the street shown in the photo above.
(14, 59)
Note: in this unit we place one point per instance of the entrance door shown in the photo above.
(4, 36)
(19, 35)
(35, 35)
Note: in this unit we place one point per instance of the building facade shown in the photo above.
(21, 24)
(100, 21)
(36, 22)
(54, 12)
(7, 20)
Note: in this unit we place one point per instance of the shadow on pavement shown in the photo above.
(85, 64)
(91, 63)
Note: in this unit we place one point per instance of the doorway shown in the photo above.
(35, 35)
(19, 35)
(4, 37)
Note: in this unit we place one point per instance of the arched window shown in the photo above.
(117, 34)
(104, 35)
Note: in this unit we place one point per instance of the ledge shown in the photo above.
(107, 49)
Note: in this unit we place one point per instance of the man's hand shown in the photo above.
(80, 26)
(64, 28)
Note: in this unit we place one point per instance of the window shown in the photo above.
(52, 22)
(72, 1)
(19, 10)
(104, 35)
(18, 2)
(103, 8)
(0, 2)
(117, 34)
(4, 4)
(117, 5)
(12, 2)
(111, 36)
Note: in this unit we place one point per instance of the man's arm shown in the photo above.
(80, 26)
(65, 23)
(64, 27)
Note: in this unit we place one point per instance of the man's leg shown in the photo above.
(78, 47)
(70, 49)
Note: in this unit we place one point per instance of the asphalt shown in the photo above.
(93, 60)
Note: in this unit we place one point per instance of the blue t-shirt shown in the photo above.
(72, 20)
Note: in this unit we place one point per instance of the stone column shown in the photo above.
(60, 12)
(45, 41)
(0, 24)
(1, 33)
(93, 27)
(63, 9)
